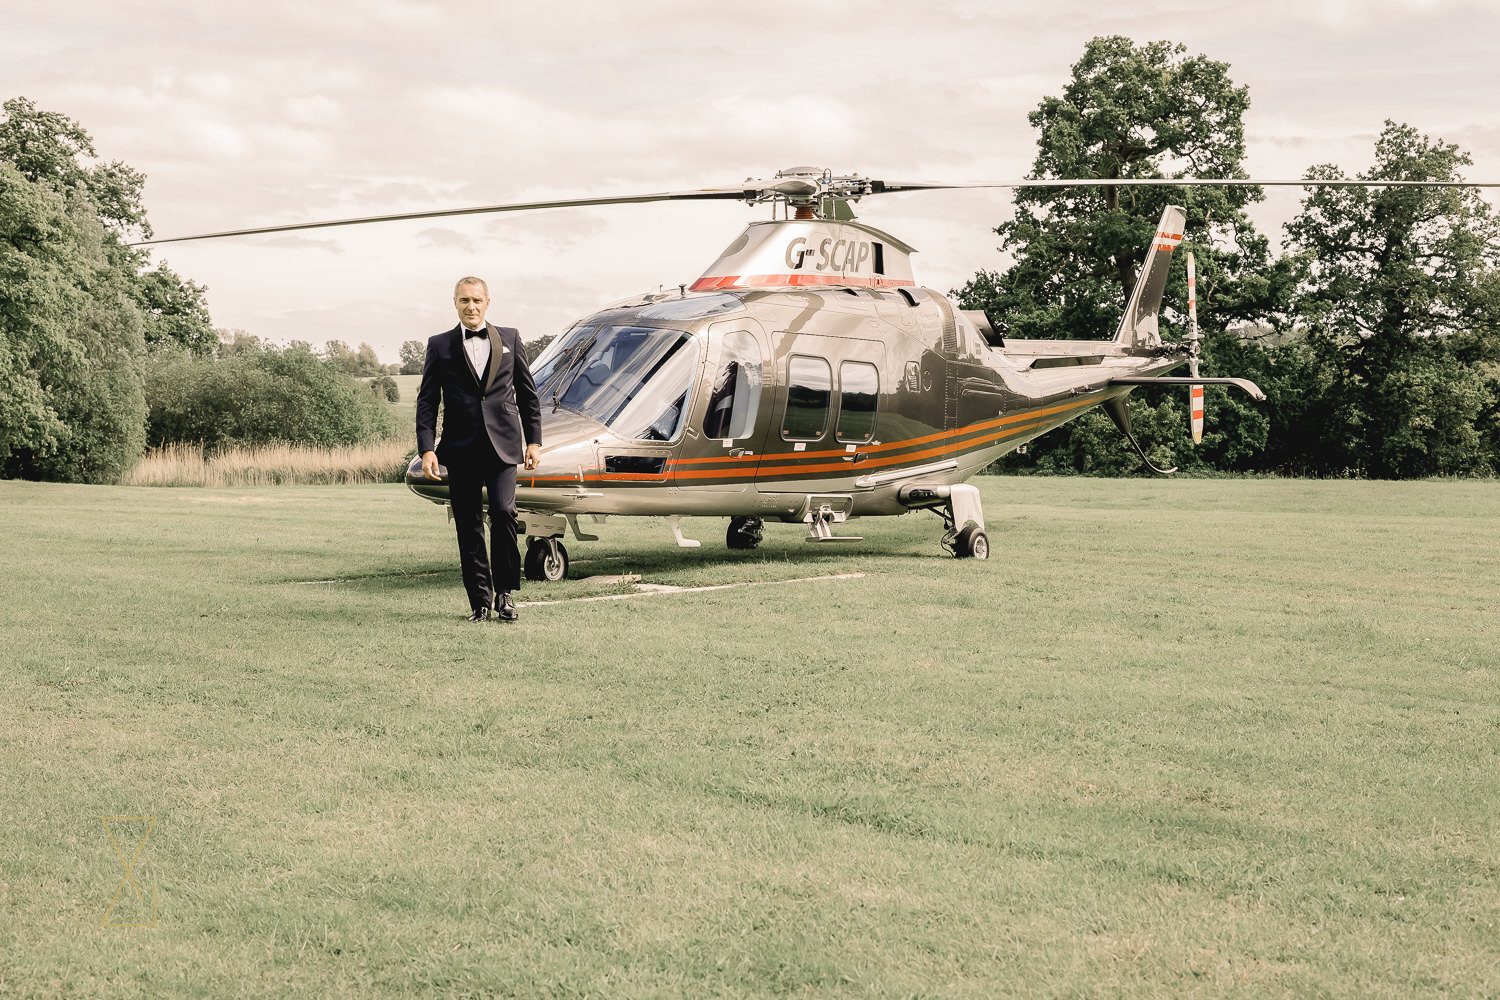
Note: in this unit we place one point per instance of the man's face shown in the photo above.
(471, 303)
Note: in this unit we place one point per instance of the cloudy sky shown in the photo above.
(284, 110)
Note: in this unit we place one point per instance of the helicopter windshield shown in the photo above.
(636, 380)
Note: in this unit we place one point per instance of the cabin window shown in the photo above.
(635, 465)
(809, 389)
(736, 391)
(636, 380)
(545, 367)
(859, 395)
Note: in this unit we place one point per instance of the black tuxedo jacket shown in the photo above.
(500, 404)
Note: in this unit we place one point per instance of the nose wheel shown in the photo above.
(546, 559)
(744, 532)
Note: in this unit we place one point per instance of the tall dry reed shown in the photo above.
(271, 465)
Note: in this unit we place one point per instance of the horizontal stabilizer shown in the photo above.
(1250, 387)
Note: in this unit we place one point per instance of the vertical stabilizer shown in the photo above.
(1138, 325)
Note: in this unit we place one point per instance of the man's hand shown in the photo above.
(533, 455)
(429, 465)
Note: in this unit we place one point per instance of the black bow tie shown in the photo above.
(474, 333)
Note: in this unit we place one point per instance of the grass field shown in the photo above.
(1183, 738)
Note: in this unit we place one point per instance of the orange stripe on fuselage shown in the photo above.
(907, 442)
(795, 464)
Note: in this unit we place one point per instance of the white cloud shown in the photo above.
(447, 239)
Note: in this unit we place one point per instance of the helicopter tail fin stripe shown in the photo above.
(1138, 327)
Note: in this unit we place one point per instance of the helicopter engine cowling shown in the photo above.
(800, 253)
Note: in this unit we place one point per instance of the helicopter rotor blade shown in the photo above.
(702, 194)
(896, 187)
(805, 188)
(893, 187)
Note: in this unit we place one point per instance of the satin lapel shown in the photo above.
(497, 355)
(463, 355)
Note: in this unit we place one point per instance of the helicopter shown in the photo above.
(805, 377)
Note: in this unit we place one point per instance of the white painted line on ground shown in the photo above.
(689, 590)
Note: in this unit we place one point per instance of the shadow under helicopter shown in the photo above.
(654, 564)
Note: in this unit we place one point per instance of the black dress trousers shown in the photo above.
(478, 473)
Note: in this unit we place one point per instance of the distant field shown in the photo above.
(406, 407)
(1184, 738)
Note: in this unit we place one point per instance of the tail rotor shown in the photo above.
(1195, 391)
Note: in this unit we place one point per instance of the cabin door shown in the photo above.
(824, 413)
(723, 445)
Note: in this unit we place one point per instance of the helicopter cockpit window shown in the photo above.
(548, 363)
(736, 390)
(809, 387)
(634, 379)
(859, 393)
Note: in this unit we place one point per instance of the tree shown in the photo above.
(1129, 112)
(261, 396)
(534, 348)
(339, 354)
(232, 342)
(413, 353)
(50, 149)
(369, 364)
(40, 259)
(385, 387)
(1400, 295)
(71, 406)
(1135, 112)
(76, 308)
(175, 310)
(361, 363)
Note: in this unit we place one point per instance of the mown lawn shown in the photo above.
(1176, 738)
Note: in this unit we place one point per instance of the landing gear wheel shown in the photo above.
(972, 542)
(546, 559)
(744, 532)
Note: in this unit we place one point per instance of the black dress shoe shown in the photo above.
(505, 607)
(480, 615)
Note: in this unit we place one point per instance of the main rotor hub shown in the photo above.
(812, 192)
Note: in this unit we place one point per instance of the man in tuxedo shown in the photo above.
(490, 412)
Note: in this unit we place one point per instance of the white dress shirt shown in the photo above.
(478, 350)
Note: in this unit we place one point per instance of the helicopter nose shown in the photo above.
(567, 449)
(435, 490)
